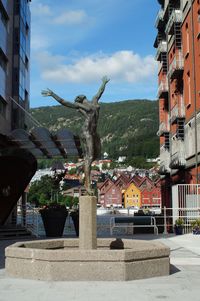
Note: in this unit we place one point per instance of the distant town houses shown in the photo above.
(140, 192)
(120, 187)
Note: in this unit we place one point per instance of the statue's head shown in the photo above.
(80, 98)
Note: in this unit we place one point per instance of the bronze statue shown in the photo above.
(90, 137)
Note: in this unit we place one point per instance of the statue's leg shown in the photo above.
(89, 154)
(97, 147)
(87, 171)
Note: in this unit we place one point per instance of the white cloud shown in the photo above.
(39, 41)
(38, 8)
(121, 66)
(71, 17)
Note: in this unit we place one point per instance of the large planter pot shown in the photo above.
(75, 218)
(178, 230)
(54, 221)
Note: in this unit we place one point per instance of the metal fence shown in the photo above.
(185, 205)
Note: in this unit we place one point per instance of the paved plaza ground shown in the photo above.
(182, 284)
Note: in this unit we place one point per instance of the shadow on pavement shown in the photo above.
(173, 269)
(3, 245)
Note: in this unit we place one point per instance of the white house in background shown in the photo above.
(40, 173)
(153, 160)
(105, 155)
(121, 159)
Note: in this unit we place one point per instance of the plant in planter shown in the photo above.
(54, 216)
(195, 226)
(178, 227)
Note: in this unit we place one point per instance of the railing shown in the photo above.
(188, 215)
(162, 47)
(175, 17)
(178, 154)
(163, 128)
(28, 217)
(165, 220)
(177, 64)
(178, 111)
(163, 87)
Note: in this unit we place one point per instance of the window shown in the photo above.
(198, 34)
(188, 100)
(187, 40)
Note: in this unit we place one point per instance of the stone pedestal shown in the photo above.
(87, 222)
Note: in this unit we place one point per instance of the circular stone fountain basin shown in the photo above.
(61, 259)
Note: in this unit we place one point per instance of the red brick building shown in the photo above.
(178, 56)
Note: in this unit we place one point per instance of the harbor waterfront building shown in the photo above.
(178, 55)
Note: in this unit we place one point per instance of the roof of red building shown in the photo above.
(104, 183)
(111, 187)
(71, 177)
(136, 179)
(123, 178)
(146, 179)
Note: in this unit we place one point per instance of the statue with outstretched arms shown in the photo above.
(90, 138)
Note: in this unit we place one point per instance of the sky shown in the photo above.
(74, 43)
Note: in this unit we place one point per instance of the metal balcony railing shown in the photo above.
(176, 66)
(178, 111)
(162, 48)
(175, 17)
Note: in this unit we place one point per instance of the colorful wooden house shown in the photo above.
(102, 187)
(132, 196)
(151, 198)
(122, 182)
(146, 183)
(111, 197)
(136, 179)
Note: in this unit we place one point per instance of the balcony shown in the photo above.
(175, 17)
(162, 48)
(165, 161)
(178, 160)
(163, 88)
(159, 19)
(176, 66)
(178, 111)
(163, 129)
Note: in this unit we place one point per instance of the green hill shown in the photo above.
(126, 128)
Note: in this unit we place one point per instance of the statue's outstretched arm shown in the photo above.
(96, 98)
(65, 103)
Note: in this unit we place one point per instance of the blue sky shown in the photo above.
(75, 43)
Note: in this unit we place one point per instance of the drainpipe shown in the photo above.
(195, 89)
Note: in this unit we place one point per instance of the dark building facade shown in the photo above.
(14, 63)
(17, 166)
